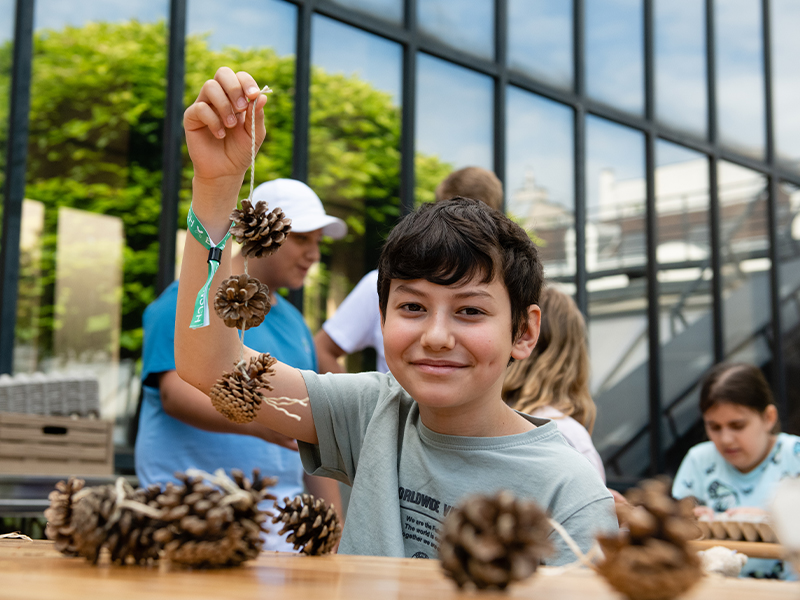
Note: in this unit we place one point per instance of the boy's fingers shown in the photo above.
(229, 82)
(248, 84)
(214, 94)
(200, 115)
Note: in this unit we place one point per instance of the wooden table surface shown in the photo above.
(34, 570)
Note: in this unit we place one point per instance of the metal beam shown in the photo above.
(15, 168)
(408, 124)
(173, 141)
(651, 216)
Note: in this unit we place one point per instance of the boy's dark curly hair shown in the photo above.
(454, 241)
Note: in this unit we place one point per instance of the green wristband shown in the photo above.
(195, 227)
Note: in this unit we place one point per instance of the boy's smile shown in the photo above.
(449, 346)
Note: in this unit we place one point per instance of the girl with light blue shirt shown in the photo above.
(738, 470)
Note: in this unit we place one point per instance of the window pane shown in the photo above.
(388, 10)
(615, 53)
(744, 246)
(454, 122)
(680, 57)
(354, 157)
(683, 253)
(540, 40)
(467, 25)
(257, 36)
(249, 24)
(540, 179)
(786, 80)
(617, 286)
(740, 75)
(788, 233)
(90, 227)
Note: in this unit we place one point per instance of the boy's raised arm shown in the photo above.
(219, 143)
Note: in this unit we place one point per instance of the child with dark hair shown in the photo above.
(737, 471)
(458, 289)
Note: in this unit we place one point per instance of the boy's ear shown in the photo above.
(526, 342)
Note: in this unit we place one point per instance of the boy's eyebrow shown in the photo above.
(411, 289)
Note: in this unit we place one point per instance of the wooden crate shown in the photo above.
(45, 445)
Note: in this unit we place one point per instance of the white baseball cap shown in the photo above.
(301, 205)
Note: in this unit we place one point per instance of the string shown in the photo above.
(265, 90)
(583, 559)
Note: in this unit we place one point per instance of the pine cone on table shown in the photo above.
(653, 560)
(236, 394)
(492, 541)
(260, 232)
(99, 521)
(242, 302)
(313, 524)
(59, 516)
(205, 526)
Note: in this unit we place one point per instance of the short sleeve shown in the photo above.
(353, 325)
(158, 355)
(687, 481)
(342, 406)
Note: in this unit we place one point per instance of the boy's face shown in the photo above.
(449, 346)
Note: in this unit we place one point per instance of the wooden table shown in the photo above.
(34, 570)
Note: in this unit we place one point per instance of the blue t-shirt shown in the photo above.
(165, 445)
(707, 476)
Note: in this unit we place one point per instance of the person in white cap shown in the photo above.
(178, 426)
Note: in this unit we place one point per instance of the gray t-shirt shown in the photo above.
(406, 478)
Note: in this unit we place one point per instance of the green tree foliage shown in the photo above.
(97, 111)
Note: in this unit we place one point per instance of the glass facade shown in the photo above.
(664, 201)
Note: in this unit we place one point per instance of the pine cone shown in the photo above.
(242, 302)
(100, 522)
(59, 515)
(314, 525)
(492, 541)
(204, 526)
(261, 233)
(653, 560)
(235, 395)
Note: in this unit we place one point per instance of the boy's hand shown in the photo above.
(218, 128)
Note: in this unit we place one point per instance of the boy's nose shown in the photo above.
(437, 334)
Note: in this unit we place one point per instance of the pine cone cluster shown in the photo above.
(260, 232)
(204, 526)
(314, 525)
(99, 520)
(59, 515)
(242, 302)
(492, 541)
(193, 524)
(236, 394)
(653, 560)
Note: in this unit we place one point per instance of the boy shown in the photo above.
(458, 287)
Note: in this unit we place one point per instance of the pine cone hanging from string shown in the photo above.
(235, 395)
(492, 541)
(261, 233)
(313, 524)
(653, 560)
(242, 302)
(59, 515)
(205, 526)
